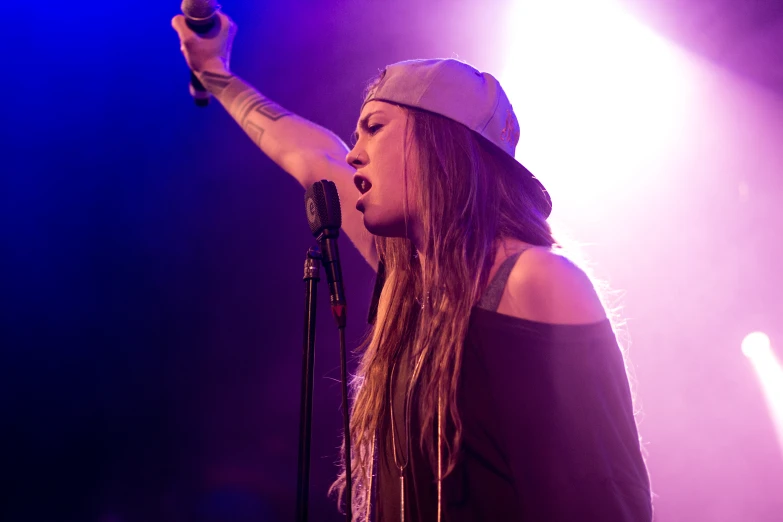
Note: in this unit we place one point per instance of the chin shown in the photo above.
(384, 227)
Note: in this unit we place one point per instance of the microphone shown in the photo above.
(323, 214)
(201, 17)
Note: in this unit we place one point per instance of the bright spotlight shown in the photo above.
(757, 349)
(599, 97)
(756, 345)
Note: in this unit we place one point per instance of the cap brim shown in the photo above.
(534, 187)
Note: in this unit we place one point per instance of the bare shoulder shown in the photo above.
(547, 287)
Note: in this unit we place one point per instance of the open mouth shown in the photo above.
(362, 183)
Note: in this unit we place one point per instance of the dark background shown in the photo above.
(151, 300)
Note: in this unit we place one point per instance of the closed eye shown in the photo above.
(369, 129)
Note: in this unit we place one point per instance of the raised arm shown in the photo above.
(306, 151)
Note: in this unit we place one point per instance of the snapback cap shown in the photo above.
(461, 93)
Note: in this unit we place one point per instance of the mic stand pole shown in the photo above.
(312, 274)
(333, 277)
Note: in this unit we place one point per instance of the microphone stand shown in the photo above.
(312, 275)
(337, 299)
(323, 214)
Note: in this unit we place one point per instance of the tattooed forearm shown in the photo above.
(260, 118)
(251, 102)
(247, 104)
(214, 82)
(255, 132)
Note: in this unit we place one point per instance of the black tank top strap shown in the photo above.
(494, 291)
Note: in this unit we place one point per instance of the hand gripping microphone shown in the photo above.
(323, 213)
(201, 17)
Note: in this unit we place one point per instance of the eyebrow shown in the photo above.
(363, 124)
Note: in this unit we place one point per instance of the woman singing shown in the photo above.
(492, 387)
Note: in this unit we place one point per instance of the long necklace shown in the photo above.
(406, 416)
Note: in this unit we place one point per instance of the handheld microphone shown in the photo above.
(323, 214)
(201, 17)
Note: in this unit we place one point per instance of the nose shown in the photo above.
(355, 158)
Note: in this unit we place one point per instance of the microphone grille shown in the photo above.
(323, 207)
(199, 9)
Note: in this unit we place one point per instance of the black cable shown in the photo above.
(346, 428)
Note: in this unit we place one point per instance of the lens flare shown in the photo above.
(756, 344)
(757, 347)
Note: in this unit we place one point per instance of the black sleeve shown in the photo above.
(565, 421)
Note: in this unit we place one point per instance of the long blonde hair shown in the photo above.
(469, 198)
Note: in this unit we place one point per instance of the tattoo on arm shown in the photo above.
(214, 82)
(249, 103)
(255, 132)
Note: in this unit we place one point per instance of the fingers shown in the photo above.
(227, 26)
(178, 23)
(226, 21)
(181, 27)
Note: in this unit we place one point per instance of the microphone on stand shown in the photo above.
(323, 214)
(201, 17)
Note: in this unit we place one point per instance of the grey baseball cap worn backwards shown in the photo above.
(460, 92)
